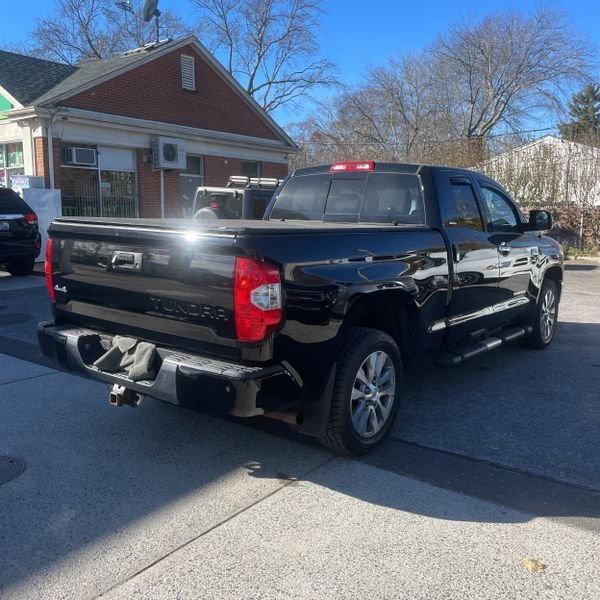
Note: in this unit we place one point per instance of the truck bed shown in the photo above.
(181, 294)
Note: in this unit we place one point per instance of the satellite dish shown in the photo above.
(125, 5)
(150, 9)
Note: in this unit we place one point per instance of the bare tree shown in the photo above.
(94, 29)
(268, 45)
(507, 67)
(446, 102)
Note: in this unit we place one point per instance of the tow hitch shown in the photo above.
(119, 395)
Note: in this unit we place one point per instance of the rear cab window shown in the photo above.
(376, 197)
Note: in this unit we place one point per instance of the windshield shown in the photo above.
(352, 198)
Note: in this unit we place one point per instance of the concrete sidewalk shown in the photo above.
(162, 503)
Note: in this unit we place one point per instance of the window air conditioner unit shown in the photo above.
(81, 156)
(168, 153)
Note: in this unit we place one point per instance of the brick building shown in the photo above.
(134, 134)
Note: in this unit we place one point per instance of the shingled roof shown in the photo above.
(33, 81)
(26, 78)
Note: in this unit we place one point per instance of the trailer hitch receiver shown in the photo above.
(119, 395)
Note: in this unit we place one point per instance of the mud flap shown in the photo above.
(315, 414)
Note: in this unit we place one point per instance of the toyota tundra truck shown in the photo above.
(314, 314)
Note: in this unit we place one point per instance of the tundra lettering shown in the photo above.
(179, 308)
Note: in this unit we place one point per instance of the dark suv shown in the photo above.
(19, 235)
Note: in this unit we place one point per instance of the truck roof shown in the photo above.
(385, 167)
(381, 167)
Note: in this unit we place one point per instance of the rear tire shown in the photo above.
(366, 394)
(21, 267)
(544, 320)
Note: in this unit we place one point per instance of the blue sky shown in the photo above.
(356, 33)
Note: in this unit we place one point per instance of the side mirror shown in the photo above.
(539, 220)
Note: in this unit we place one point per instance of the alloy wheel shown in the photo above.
(373, 394)
(548, 315)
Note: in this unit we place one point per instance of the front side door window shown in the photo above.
(501, 214)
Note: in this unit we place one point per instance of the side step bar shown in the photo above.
(460, 354)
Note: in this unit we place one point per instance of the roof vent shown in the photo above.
(147, 47)
(188, 73)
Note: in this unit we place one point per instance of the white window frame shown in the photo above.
(188, 73)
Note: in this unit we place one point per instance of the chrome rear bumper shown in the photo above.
(182, 378)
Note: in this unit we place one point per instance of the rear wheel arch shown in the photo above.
(339, 433)
(391, 312)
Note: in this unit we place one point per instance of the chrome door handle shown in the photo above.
(504, 248)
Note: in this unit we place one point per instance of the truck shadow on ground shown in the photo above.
(105, 478)
(516, 427)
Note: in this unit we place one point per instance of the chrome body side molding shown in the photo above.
(484, 312)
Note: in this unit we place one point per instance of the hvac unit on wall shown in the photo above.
(84, 157)
(168, 153)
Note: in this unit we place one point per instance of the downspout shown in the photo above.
(34, 164)
(162, 194)
(50, 156)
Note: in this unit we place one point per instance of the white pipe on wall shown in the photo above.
(162, 194)
(50, 156)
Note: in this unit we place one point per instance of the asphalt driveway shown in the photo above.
(488, 464)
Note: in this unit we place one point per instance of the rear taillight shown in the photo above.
(48, 272)
(257, 299)
(30, 218)
(365, 165)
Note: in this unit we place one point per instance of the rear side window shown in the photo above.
(372, 198)
(10, 202)
(461, 208)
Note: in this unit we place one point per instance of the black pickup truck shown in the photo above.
(314, 314)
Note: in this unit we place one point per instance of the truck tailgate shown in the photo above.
(158, 283)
